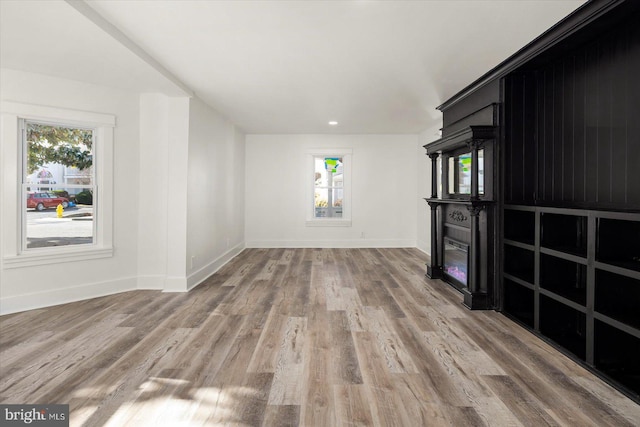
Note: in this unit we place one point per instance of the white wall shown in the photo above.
(162, 226)
(384, 190)
(423, 232)
(424, 189)
(153, 196)
(215, 196)
(30, 287)
(192, 192)
(178, 192)
(189, 191)
(177, 187)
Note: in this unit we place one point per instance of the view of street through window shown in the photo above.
(45, 229)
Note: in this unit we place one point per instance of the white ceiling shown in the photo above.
(281, 66)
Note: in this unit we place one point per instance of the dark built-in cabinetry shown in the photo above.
(560, 241)
(573, 276)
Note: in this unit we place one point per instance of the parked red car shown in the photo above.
(43, 200)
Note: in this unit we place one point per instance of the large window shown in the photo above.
(58, 185)
(330, 170)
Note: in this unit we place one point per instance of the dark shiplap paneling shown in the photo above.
(632, 92)
(578, 163)
(576, 121)
(567, 143)
(520, 139)
(590, 114)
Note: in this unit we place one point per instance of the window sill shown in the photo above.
(328, 223)
(55, 257)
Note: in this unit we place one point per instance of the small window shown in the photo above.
(330, 187)
(328, 190)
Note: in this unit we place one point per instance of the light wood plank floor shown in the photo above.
(313, 337)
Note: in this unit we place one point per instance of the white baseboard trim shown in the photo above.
(423, 246)
(151, 282)
(199, 276)
(65, 295)
(175, 284)
(53, 297)
(178, 284)
(356, 243)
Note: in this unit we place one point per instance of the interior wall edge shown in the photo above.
(199, 276)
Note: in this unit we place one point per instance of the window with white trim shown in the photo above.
(63, 192)
(329, 172)
(58, 185)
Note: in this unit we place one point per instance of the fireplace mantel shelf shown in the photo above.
(460, 201)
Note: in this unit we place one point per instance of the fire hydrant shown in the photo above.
(59, 211)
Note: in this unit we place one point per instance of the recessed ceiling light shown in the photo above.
(333, 123)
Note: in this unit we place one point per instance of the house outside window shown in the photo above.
(330, 173)
(328, 191)
(59, 208)
(62, 208)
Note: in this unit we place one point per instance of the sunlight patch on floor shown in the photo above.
(172, 402)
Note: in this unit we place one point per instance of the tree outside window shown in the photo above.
(328, 187)
(58, 171)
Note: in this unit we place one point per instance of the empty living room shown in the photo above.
(319, 213)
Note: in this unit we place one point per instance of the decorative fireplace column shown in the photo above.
(474, 295)
(434, 268)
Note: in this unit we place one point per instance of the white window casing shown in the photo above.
(345, 219)
(13, 204)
